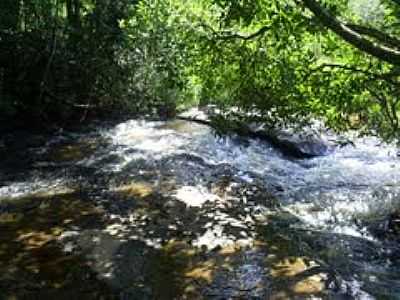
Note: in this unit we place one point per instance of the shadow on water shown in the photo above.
(172, 226)
(55, 247)
(333, 265)
(62, 244)
(32, 262)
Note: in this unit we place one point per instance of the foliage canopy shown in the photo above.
(279, 61)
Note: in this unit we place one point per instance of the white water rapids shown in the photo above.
(338, 195)
(325, 192)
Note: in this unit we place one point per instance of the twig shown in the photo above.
(228, 35)
(386, 76)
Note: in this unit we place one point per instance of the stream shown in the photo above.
(168, 210)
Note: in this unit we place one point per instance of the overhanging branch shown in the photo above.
(377, 34)
(381, 52)
(388, 77)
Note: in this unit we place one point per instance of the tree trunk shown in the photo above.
(9, 24)
(73, 13)
(9, 14)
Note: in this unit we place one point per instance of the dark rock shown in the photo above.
(299, 145)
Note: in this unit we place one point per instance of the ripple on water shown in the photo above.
(328, 199)
(328, 194)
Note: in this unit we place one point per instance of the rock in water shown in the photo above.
(299, 145)
(304, 144)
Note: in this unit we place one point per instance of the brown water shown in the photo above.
(166, 210)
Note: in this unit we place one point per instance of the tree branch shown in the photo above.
(388, 77)
(228, 35)
(344, 67)
(388, 108)
(377, 34)
(384, 53)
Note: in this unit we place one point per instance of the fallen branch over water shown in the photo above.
(294, 145)
(194, 120)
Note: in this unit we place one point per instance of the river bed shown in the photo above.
(168, 210)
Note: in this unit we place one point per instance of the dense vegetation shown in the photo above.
(282, 61)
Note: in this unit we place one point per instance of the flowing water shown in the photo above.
(168, 210)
